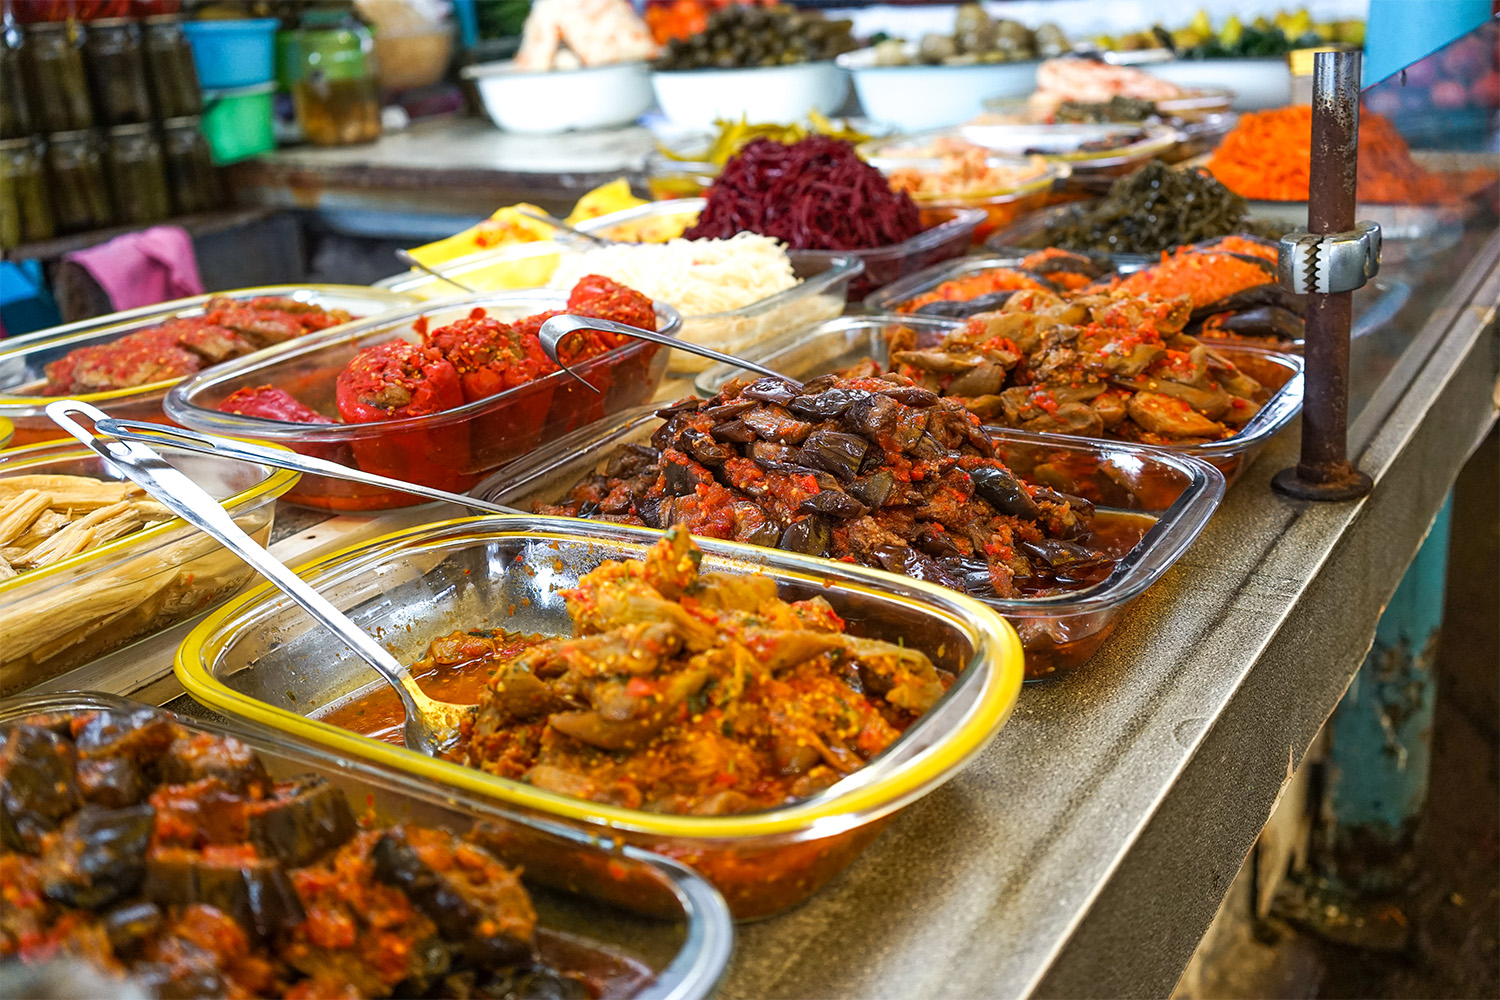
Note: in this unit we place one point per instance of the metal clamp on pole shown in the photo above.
(1325, 264)
(1335, 256)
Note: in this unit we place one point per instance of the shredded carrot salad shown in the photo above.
(1268, 156)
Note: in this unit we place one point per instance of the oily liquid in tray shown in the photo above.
(378, 713)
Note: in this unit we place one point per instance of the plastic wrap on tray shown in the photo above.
(1163, 499)
(615, 920)
(506, 572)
(453, 449)
(23, 360)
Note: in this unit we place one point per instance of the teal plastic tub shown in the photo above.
(240, 123)
(231, 54)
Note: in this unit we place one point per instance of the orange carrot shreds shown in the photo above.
(1205, 277)
(1268, 156)
(999, 279)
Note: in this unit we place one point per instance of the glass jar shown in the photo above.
(169, 67)
(116, 71)
(15, 115)
(53, 68)
(75, 178)
(24, 213)
(191, 175)
(137, 178)
(335, 87)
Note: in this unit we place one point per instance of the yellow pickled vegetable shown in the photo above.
(612, 197)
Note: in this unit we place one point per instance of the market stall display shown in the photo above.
(181, 856)
(92, 566)
(506, 573)
(126, 363)
(440, 395)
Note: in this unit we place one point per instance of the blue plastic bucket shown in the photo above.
(233, 53)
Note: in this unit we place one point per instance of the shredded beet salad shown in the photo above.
(816, 194)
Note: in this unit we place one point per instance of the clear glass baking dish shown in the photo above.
(262, 658)
(840, 343)
(1176, 493)
(63, 615)
(23, 361)
(451, 450)
(639, 925)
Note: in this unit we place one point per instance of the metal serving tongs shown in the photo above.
(558, 327)
(431, 725)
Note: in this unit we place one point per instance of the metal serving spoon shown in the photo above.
(558, 327)
(407, 257)
(431, 725)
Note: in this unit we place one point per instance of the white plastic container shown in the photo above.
(782, 94)
(549, 101)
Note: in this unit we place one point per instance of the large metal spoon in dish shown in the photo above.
(558, 327)
(223, 447)
(431, 725)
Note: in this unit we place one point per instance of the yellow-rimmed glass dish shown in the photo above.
(262, 659)
(61, 616)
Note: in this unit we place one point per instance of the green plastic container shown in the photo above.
(239, 123)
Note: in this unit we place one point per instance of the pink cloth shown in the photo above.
(144, 268)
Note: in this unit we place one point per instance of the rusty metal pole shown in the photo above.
(1324, 471)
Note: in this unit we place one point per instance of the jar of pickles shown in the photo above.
(24, 213)
(192, 178)
(75, 179)
(52, 64)
(137, 178)
(116, 71)
(169, 67)
(335, 86)
(15, 115)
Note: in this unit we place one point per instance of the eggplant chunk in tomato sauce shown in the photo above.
(679, 691)
(875, 470)
(171, 856)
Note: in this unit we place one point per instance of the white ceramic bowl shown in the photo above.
(765, 94)
(1255, 83)
(562, 100)
(918, 97)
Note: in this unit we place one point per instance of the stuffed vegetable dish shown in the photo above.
(876, 471)
(174, 858)
(680, 691)
(228, 328)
